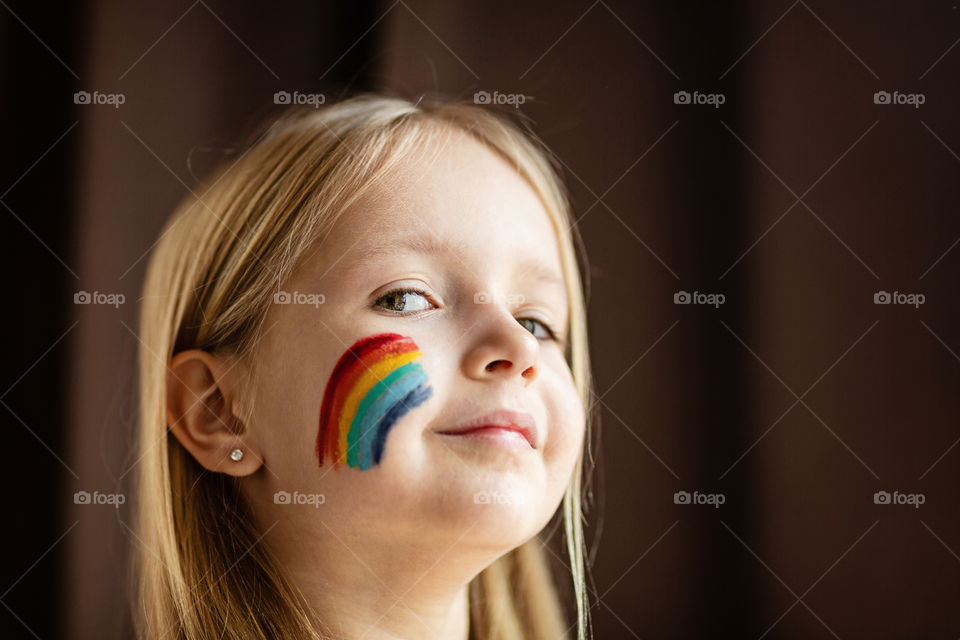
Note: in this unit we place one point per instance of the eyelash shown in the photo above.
(403, 290)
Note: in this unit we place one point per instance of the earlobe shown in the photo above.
(200, 399)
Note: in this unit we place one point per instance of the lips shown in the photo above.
(498, 421)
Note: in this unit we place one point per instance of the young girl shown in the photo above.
(365, 386)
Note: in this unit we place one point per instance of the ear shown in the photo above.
(200, 395)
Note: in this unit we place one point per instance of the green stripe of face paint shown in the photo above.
(356, 438)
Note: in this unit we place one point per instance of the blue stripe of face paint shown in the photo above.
(371, 409)
(392, 406)
(413, 399)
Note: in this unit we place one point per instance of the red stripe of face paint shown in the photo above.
(346, 377)
(352, 354)
(352, 364)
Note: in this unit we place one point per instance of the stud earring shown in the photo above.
(236, 455)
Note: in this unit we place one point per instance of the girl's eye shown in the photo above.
(401, 300)
(413, 300)
(546, 334)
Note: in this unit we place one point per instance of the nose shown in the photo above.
(503, 348)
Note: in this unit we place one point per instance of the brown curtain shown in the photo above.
(743, 157)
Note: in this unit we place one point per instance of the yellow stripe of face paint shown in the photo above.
(365, 382)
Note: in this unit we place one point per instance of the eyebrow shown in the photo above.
(426, 245)
(543, 274)
(430, 245)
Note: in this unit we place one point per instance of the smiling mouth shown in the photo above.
(502, 427)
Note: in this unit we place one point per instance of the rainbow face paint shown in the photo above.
(375, 383)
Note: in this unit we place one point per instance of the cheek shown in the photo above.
(567, 420)
(375, 383)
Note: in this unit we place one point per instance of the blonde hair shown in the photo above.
(209, 284)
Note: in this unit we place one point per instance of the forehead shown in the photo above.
(457, 197)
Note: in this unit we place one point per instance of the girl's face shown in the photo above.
(437, 299)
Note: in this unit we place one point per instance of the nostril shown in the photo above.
(491, 366)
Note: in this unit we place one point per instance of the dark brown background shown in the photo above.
(798, 199)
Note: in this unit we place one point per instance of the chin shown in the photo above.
(501, 528)
(511, 512)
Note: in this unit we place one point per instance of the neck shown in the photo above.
(379, 593)
(378, 612)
